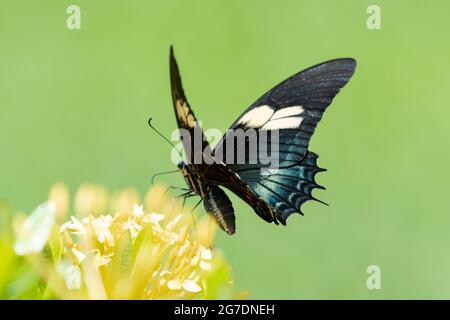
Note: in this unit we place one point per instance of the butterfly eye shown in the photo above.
(181, 165)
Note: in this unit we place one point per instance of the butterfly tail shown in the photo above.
(303, 175)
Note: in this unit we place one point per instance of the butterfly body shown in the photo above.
(289, 114)
(191, 178)
(216, 202)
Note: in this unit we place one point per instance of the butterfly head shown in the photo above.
(181, 166)
(184, 171)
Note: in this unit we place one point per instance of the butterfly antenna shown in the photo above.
(161, 173)
(163, 136)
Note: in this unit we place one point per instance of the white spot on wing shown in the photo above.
(287, 112)
(256, 117)
(285, 123)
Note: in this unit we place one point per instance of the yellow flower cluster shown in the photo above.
(150, 251)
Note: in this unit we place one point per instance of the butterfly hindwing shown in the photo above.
(285, 188)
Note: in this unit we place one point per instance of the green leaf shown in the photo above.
(218, 285)
(145, 236)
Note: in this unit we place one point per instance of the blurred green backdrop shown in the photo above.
(74, 107)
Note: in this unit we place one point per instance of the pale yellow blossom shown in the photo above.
(150, 251)
(191, 286)
(74, 226)
(80, 256)
(100, 260)
(102, 229)
(133, 226)
(138, 210)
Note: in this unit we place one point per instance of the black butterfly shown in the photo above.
(293, 108)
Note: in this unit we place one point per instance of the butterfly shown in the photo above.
(292, 109)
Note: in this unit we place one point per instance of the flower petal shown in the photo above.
(154, 217)
(191, 286)
(100, 260)
(138, 210)
(205, 265)
(206, 253)
(80, 255)
(73, 225)
(36, 229)
(174, 222)
(174, 284)
(73, 278)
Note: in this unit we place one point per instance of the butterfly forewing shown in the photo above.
(294, 108)
(216, 202)
(187, 123)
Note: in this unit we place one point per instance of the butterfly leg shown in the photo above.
(195, 207)
(178, 188)
(187, 191)
(187, 194)
(183, 203)
(192, 212)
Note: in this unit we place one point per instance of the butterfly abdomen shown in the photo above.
(219, 207)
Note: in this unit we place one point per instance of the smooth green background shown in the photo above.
(74, 107)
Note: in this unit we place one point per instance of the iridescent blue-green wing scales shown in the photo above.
(286, 188)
